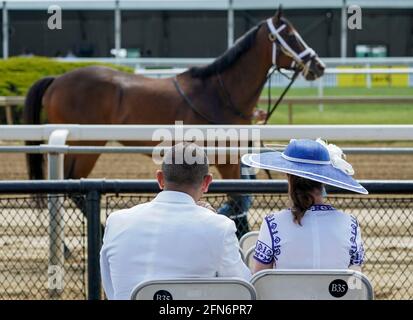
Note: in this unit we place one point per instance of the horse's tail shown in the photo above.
(31, 115)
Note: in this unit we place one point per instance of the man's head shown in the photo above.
(185, 169)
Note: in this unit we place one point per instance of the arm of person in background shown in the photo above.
(263, 255)
(104, 267)
(259, 116)
(206, 205)
(357, 249)
(231, 264)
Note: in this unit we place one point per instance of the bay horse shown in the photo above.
(223, 92)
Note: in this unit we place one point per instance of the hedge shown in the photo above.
(18, 74)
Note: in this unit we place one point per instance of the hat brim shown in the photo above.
(324, 173)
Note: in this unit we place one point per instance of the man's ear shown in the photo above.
(206, 182)
(160, 179)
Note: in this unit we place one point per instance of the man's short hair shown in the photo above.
(185, 164)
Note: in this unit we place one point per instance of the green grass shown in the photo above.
(345, 114)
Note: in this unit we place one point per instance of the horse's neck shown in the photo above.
(246, 78)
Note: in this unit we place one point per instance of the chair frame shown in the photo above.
(246, 236)
(192, 281)
(248, 255)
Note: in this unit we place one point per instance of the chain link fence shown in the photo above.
(25, 270)
(25, 236)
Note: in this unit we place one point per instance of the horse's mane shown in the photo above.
(228, 58)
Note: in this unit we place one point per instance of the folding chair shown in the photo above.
(312, 285)
(248, 240)
(194, 289)
(249, 257)
(242, 255)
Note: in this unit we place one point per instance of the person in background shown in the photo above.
(172, 236)
(311, 234)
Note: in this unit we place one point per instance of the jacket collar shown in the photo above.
(174, 197)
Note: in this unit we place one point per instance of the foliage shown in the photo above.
(18, 74)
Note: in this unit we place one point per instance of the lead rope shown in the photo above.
(277, 103)
(270, 110)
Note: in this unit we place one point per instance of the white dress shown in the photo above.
(327, 239)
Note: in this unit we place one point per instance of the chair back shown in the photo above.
(194, 289)
(312, 285)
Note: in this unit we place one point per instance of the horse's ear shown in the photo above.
(279, 13)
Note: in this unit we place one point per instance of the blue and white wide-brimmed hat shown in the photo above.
(314, 160)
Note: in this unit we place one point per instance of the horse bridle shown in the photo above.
(300, 61)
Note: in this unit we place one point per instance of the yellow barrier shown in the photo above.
(378, 80)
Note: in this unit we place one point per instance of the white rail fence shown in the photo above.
(160, 73)
(335, 67)
(143, 62)
(58, 135)
(268, 132)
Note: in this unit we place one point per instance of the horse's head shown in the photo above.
(289, 49)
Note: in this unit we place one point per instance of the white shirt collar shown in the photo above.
(174, 196)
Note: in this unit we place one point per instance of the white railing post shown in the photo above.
(5, 30)
(321, 93)
(117, 29)
(230, 24)
(55, 206)
(368, 76)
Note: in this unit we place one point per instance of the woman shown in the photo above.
(311, 234)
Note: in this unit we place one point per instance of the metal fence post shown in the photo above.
(55, 206)
(9, 114)
(93, 244)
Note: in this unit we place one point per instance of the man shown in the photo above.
(173, 235)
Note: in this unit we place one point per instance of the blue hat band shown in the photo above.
(300, 160)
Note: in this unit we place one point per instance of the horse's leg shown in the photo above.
(237, 205)
(78, 166)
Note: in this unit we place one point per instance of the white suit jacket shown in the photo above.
(170, 236)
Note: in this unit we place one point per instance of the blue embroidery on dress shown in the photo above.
(356, 254)
(263, 253)
(272, 226)
(321, 207)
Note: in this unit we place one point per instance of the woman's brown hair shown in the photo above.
(300, 193)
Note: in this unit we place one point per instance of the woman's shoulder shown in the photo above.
(345, 218)
(278, 213)
(278, 216)
(342, 214)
